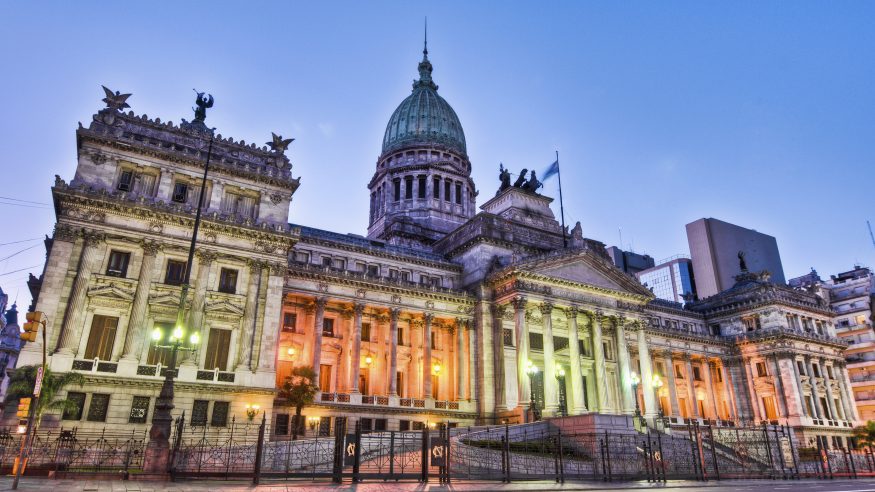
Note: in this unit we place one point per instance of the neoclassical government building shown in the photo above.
(445, 311)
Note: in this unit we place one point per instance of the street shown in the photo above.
(42, 484)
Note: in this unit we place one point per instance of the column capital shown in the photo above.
(151, 248)
(668, 354)
(358, 308)
(519, 303)
(571, 312)
(621, 320)
(428, 317)
(206, 256)
(394, 313)
(65, 233)
(417, 322)
(278, 268)
(93, 238)
(546, 308)
(498, 310)
(321, 301)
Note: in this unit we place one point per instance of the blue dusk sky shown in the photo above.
(757, 113)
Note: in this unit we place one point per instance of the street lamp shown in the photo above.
(560, 379)
(531, 370)
(657, 383)
(252, 411)
(635, 382)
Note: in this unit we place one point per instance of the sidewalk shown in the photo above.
(43, 484)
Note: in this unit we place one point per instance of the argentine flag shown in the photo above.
(553, 169)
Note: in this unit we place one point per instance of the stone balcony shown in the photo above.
(186, 373)
(419, 405)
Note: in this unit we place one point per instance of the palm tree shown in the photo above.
(21, 385)
(865, 434)
(299, 390)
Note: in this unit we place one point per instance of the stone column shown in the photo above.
(628, 399)
(473, 359)
(522, 351)
(709, 386)
(830, 401)
(578, 406)
(646, 375)
(136, 328)
(317, 336)
(798, 378)
(393, 351)
(755, 402)
(461, 370)
(268, 338)
(196, 315)
(672, 384)
(729, 392)
(781, 397)
(844, 382)
(598, 350)
(244, 352)
(498, 358)
(815, 400)
(54, 276)
(88, 263)
(551, 385)
(694, 404)
(738, 405)
(356, 354)
(426, 356)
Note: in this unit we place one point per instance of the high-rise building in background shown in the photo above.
(672, 279)
(714, 248)
(628, 261)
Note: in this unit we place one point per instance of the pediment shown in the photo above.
(111, 291)
(164, 299)
(584, 267)
(223, 307)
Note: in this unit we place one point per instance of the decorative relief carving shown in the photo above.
(396, 299)
(65, 233)
(323, 287)
(94, 216)
(210, 237)
(429, 304)
(157, 227)
(360, 293)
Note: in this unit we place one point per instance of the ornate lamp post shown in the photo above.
(531, 370)
(639, 419)
(560, 378)
(657, 383)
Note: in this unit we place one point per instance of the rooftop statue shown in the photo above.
(203, 103)
(521, 179)
(115, 101)
(504, 177)
(278, 144)
(741, 263)
(532, 184)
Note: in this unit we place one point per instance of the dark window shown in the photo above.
(418, 426)
(328, 327)
(421, 191)
(367, 424)
(228, 281)
(447, 186)
(816, 370)
(400, 335)
(800, 367)
(101, 338)
(126, 181)
(678, 373)
(697, 374)
(282, 424)
(139, 410)
(508, 337)
(405, 276)
(220, 414)
(118, 263)
(433, 341)
(536, 341)
(397, 184)
(436, 189)
(199, 412)
(217, 349)
(180, 192)
(404, 425)
(408, 187)
(560, 343)
(290, 321)
(175, 272)
(326, 261)
(761, 369)
(97, 409)
(374, 270)
(366, 332)
(715, 329)
(380, 424)
(459, 193)
(75, 411)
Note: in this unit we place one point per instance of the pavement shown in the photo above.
(43, 484)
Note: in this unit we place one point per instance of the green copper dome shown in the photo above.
(424, 118)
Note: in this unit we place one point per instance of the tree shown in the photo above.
(21, 385)
(299, 390)
(865, 434)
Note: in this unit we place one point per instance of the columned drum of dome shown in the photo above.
(422, 188)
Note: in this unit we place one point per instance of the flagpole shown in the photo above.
(561, 205)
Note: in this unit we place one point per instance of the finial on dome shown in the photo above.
(425, 44)
(425, 67)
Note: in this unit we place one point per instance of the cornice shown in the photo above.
(304, 239)
(515, 275)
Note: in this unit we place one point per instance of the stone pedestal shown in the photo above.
(156, 459)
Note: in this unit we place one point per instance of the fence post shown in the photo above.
(780, 452)
(447, 469)
(769, 450)
(230, 445)
(180, 427)
(424, 477)
(851, 459)
(661, 456)
(561, 458)
(604, 459)
(339, 437)
(506, 449)
(258, 450)
(795, 467)
(357, 455)
(391, 453)
(608, 454)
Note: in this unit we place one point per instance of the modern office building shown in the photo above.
(715, 246)
(628, 261)
(672, 279)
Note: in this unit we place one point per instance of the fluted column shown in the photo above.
(522, 351)
(830, 401)
(755, 401)
(709, 386)
(498, 357)
(393, 351)
(72, 331)
(317, 336)
(136, 328)
(798, 377)
(815, 399)
(691, 386)
(461, 370)
(244, 353)
(598, 350)
(473, 357)
(781, 393)
(426, 356)
(844, 381)
(578, 406)
(356, 355)
(625, 369)
(196, 315)
(729, 389)
(646, 374)
(551, 386)
(672, 384)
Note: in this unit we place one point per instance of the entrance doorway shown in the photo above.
(363, 382)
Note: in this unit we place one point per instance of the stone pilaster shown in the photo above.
(244, 352)
(628, 399)
(650, 404)
(521, 329)
(91, 251)
(54, 276)
(551, 387)
(815, 399)
(672, 383)
(393, 351)
(497, 345)
(578, 406)
(601, 378)
(136, 332)
(426, 356)
(356, 354)
(318, 318)
(273, 308)
(461, 370)
(830, 401)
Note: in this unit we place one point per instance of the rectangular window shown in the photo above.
(397, 184)
(139, 410)
(217, 349)
(366, 424)
(324, 378)
(328, 327)
(420, 193)
(507, 335)
(75, 411)
(399, 383)
(326, 261)
(228, 281)
(761, 369)
(97, 409)
(302, 257)
(282, 424)
(118, 263)
(101, 338)
(816, 370)
(408, 187)
(180, 193)
(697, 374)
(380, 424)
(126, 180)
(199, 412)
(433, 340)
(339, 263)
(436, 189)
(404, 425)
(447, 186)
(366, 332)
(678, 373)
(400, 335)
(459, 193)
(405, 276)
(220, 414)
(800, 367)
(290, 322)
(373, 270)
(175, 272)
(393, 274)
